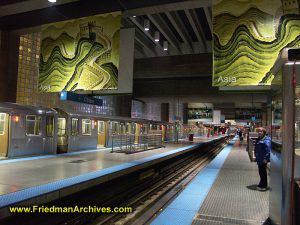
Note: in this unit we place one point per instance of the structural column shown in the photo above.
(124, 106)
(185, 113)
(165, 112)
(9, 56)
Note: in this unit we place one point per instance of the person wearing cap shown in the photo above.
(262, 154)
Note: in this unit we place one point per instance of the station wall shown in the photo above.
(170, 111)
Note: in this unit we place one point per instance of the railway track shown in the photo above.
(150, 202)
(146, 191)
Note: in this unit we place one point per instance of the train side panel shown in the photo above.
(29, 136)
(87, 137)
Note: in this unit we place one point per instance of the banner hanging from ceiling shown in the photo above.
(80, 54)
(249, 36)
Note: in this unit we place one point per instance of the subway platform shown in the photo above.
(41, 179)
(222, 193)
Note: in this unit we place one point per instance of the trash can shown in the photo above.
(191, 137)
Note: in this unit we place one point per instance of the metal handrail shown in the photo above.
(129, 143)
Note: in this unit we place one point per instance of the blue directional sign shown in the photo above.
(70, 96)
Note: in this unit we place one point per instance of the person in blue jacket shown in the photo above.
(262, 154)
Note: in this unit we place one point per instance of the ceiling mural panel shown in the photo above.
(248, 37)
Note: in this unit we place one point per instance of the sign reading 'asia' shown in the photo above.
(249, 36)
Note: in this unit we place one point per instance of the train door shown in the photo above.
(101, 134)
(128, 128)
(163, 131)
(49, 139)
(137, 133)
(62, 139)
(4, 122)
(122, 128)
(115, 128)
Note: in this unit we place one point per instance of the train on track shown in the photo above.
(32, 130)
(27, 130)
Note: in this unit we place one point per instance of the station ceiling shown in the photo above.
(185, 24)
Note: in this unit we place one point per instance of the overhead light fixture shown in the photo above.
(52, 1)
(156, 36)
(166, 45)
(292, 63)
(133, 16)
(146, 25)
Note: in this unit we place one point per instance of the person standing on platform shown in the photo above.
(262, 154)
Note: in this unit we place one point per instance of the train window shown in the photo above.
(122, 128)
(75, 127)
(143, 130)
(61, 126)
(33, 125)
(50, 126)
(115, 128)
(2, 123)
(100, 127)
(86, 127)
(127, 128)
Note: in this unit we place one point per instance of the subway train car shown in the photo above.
(27, 130)
(30, 130)
(81, 131)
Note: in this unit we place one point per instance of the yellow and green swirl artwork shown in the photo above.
(81, 54)
(249, 35)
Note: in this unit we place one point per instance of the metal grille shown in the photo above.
(233, 199)
(129, 143)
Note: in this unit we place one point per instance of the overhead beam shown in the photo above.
(208, 18)
(176, 22)
(9, 2)
(126, 23)
(140, 37)
(150, 50)
(21, 6)
(139, 48)
(74, 10)
(165, 30)
(196, 27)
(147, 33)
(189, 4)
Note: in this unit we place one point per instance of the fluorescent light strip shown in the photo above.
(292, 63)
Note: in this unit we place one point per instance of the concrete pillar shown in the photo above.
(165, 112)
(152, 111)
(216, 116)
(123, 106)
(264, 116)
(185, 113)
(9, 55)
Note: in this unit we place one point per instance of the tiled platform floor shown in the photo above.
(222, 193)
(22, 173)
(233, 198)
